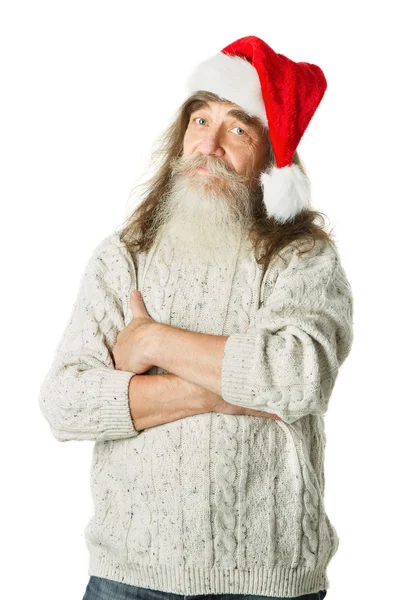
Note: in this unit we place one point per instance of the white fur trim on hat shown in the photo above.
(232, 78)
(286, 192)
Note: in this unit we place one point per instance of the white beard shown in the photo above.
(205, 216)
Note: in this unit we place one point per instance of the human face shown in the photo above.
(224, 131)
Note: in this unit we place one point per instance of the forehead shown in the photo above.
(227, 109)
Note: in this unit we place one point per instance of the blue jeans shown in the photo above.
(99, 588)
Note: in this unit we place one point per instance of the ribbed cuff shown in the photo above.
(238, 384)
(114, 406)
(239, 353)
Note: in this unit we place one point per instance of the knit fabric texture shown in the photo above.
(212, 503)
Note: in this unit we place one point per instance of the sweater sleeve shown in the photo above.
(288, 360)
(83, 396)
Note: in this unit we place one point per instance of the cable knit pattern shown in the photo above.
(307, 324)
(83, 396)
(213, 503)
(226, 510)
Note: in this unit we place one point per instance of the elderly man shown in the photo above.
(202, 351)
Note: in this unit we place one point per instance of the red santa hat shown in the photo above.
(284, 95)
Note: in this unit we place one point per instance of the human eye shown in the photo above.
(196, 118)
(242, 130)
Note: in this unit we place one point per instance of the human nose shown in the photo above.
(210, 145)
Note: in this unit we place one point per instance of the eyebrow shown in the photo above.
(238, 113)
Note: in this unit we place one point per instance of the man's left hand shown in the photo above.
(133, 342)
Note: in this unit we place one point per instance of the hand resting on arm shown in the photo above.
(163, 398)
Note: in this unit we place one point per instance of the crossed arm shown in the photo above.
(195, 389)
(288, 360)
(286, 363)
(195, 357)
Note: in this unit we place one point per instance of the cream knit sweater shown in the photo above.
(213, 503)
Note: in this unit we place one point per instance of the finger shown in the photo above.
(137, 304)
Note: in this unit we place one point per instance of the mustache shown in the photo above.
(214, 165)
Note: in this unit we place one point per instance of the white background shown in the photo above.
(86, 88)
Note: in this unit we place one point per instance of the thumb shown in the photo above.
(137, 303)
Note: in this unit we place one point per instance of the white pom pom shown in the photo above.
(286, 192)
